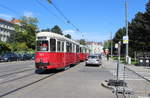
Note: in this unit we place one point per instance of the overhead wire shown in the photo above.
(45, 7)
(67, 20)
(62, 14)
(9, 9)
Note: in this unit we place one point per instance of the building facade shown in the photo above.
(6, 28)
(95, 47)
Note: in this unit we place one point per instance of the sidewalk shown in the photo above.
(134, 76)
(141, 70)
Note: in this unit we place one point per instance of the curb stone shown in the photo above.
(104, 84)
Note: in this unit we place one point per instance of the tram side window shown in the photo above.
(74, 50)
(80, 50)
(69, 47)
(83, 50)
(52, 45)
(62, 46)
(58, 46)
(42, 45)
(77, 49)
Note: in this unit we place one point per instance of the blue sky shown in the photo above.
(96, 19)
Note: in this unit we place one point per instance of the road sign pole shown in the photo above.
(126, 21)
(111, 46)
(118, 64)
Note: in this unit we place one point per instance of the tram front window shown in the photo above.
(42, 45)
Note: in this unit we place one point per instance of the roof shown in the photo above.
(3, 20)
(54, 35)
(15, 21)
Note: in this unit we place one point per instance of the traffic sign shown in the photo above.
(125, 39)
(116, 45)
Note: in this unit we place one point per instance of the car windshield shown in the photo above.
(92, 57)
(42, 45)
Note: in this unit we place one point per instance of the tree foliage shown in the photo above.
(139, 32)
(57, 29)
(106, 44)
(4, 47)
(82, 42)
(46, 30)
(68, 36)
(25, 33)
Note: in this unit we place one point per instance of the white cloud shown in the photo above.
(5, 16)
(28, 14)
(88, 36)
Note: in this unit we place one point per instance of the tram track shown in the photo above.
(11, 70)
(15, 79)
(16, 72)
(26, 85)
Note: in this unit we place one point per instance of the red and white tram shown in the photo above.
(84, 52)
(54, 51)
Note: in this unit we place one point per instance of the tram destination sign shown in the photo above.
(42, 37)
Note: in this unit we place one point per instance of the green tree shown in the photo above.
(4, 47)
(148, 7)
(25, 33)
(119, 35)
(68, 36)
(46, 30)
(106, 44)
(82, 41)
(57, 29)
(139, 32)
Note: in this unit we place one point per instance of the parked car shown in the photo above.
(93, 60)
(9, 57)
(26, 56)
(20, 57)
(0, 58)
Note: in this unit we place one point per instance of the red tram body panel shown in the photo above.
(55, 51)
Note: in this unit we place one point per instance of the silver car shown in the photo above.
(93, 60)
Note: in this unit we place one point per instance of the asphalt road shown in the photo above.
(77, 82)
(19, 80)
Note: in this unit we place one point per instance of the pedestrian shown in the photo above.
(107, 56)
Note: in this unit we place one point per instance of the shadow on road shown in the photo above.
(93, 65)
(43, 72)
